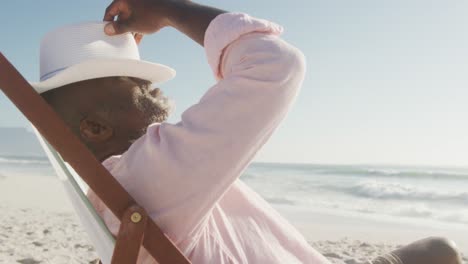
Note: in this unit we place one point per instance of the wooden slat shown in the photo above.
(130, 237)
(54, 130)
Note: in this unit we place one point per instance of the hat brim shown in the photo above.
(99, 68)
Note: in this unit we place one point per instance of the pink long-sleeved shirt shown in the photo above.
(186, 175)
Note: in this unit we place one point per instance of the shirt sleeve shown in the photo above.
(178, 172)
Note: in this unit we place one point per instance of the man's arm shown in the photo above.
(178, 172)
(149, 16)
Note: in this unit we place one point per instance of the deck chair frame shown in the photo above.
(137, 228)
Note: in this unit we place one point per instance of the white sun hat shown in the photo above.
(83, 51)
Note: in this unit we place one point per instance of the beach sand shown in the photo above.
(32, 236)
(37, 225)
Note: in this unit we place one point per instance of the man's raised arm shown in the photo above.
(145, 16)
(188, 166)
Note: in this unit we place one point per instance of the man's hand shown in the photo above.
(149, 16)
(142, 16)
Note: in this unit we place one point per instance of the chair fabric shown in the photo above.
(76, 189)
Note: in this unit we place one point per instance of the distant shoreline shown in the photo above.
(42, 156)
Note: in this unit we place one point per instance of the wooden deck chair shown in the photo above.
(136, 228)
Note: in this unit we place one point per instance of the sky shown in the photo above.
(387, 81)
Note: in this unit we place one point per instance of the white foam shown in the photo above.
(386, 190)
(23, 161)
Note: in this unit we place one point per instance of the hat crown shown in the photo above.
(73, 44)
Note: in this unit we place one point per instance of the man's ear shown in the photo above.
(95, 130)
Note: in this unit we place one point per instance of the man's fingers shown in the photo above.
(118, 9)
(115, 28)
(112, 11)
(138, 37)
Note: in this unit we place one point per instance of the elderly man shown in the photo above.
(186, 174)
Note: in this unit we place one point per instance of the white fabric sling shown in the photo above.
(76, 189)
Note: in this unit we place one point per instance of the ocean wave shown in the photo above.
(392, 172)
(458, 217)
(397, 191)
(24, 161)
(251, 175)
(423, 211)
(414, 211)
(362, 170)
(278, 200)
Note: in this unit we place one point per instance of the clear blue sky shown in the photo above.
(387, 80)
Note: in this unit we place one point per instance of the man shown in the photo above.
(186, 174)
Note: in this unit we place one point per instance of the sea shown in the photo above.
(439, 194)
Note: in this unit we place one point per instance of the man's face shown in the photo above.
(126, 105)
(134, 105)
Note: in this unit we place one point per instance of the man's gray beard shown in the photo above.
(156, 110)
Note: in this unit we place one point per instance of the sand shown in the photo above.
(38, 225)
(33, 236)
(351, 251)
